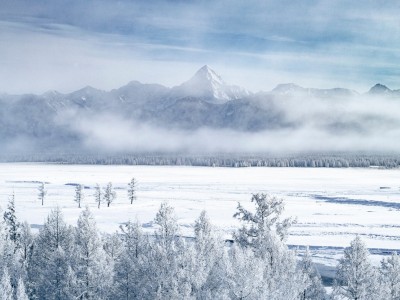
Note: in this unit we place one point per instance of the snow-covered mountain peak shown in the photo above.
(207, 74)
(210, 86)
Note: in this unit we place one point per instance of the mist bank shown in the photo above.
(203, 116)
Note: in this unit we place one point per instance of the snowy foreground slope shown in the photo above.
(332, 205)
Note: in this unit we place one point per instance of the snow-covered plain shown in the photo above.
(331, 205)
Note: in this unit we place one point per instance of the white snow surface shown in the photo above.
(331, 205)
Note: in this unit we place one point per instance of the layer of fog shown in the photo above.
(320, 125)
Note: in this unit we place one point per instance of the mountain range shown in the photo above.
(54, 119)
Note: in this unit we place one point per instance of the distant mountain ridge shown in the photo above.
(204, 101)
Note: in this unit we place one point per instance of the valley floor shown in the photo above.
(331, 205)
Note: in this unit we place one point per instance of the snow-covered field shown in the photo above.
(331, 205)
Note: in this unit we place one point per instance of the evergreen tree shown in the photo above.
(11, 221)
(244, 274)
(264, 232)
(109, 194)
(21, 292)
(42, 192)
(26, 240)
(98, 196)
(6, 290)
(94, 269)
(131, 265)
(166, 259)
(132, 190)
(390, 275)
(49, 266)
(355, 278)
(314, 289)
(79, 196)
(209, 250)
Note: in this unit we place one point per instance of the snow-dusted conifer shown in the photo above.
(109, 194)
(390, 276)
(130, 267)
(98, 195)
(25, 242)
(48, 266)
(244, 274)
(132, 190)
(6, 290)
(21, 292)
(42, 192)
(94, 269)
(355, 278)
(314, 289)
(264, 233)
(79, 196)
(11, 220)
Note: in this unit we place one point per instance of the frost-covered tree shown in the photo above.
(356, 279)
(132, 190)
(26, 240)
(167, 225)
(98, 195)
(109, 194)
(11, 220)
(244, 274)
(263, 231)
(42, 192)
(21, 292)
(168, 262)
(390, 276)
(94, 269)
(112, 244)
(49, 267)
(314, 289)
(131, 265)
(265, 219)
(79, 196)
(6, 290)
(209, 250)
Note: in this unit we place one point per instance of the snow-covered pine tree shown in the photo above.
(48, 266)
(244, 274)
(356, 279)
(6, 290)
(264, 232)
(11, 221)
(132, 190)
(131, 265)
(79, 196)
(314, 289)
(209, 249)
(390, 276)
(42, 192)
(109, 194)
(98, 195)
(21, 292)
(26, 240)
(94, 270)
(166, 259)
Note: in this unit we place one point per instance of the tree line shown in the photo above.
(78, 262)
(344, 160)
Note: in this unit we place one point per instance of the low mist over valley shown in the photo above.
(203, 115)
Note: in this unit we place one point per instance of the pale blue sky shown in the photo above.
(64, 45)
